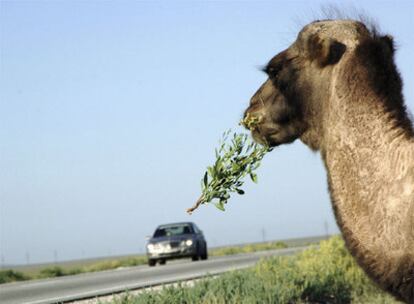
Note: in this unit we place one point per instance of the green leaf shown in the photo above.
(205, 179)
(220, 206)
(211, 171)
(239, 191)
(253, 176)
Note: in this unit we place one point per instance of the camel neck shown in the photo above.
(370, 165)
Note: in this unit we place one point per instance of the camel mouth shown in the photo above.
(270, 140)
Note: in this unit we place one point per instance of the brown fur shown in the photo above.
(338, 90)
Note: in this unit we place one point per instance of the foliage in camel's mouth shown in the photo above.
(237, 157)
(251, 122)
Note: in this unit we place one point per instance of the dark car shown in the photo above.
(176, 240)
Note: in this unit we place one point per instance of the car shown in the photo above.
(174, 241)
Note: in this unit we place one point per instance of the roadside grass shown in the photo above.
(118, 263)
(230, 250)
(7, 276)
(327, 274)
(11, 275)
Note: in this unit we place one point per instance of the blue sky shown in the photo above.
(111, 110)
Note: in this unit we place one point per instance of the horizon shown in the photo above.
(100, 258)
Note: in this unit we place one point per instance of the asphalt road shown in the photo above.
(82, 286)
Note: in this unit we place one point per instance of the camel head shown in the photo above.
(337, 89)
(293, 100)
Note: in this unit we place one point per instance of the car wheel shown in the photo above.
(197, 254)
(204, 256)
(163, 262)
(151, 262)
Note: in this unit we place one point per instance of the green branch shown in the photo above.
(237, 157)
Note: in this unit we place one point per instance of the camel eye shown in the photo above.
(265, 69)
(272, 71)
(268, 70)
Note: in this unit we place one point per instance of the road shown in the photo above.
(88, 285)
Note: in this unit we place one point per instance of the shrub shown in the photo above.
(7, 276)
(73, 271)
(52, 272)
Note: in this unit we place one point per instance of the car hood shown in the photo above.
(175, 238)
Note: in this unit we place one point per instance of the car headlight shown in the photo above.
(150, 247)
(189, 242)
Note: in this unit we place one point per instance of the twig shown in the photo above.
(199, 202)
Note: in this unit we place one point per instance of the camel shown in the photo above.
(337, 89)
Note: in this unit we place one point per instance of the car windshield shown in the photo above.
(172, 230)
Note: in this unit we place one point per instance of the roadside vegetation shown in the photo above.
(7, 276)
(230, 250)
(325, 274)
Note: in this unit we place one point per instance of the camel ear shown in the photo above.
(325, 51)
(388, 41)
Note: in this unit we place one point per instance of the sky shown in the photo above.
(110, 112)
